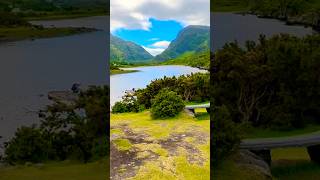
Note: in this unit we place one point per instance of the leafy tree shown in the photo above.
(194, 87)
(273, 83)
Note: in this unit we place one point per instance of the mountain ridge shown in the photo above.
(193, 38)
(122, 50)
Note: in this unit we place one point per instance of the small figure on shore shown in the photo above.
(75, 88)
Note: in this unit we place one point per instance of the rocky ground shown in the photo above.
(142, 148)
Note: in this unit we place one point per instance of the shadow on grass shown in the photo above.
(202, 116)
(295, 169)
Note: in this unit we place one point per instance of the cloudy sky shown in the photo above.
(153, 24)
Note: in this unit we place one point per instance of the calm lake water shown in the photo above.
(30, 69)
(228, 27)
(119, 83)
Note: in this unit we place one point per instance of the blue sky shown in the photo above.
(156, 38)
(155, 23)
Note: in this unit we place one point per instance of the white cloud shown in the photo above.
(161, 44)
(135, 14)
(157, 47)
(154, 51)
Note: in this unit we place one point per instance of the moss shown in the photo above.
(116, 132)
(168, 165)
(176, 167)
(157, 129)
(122, 144)
(156, 148)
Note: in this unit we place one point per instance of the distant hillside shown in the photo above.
(199, 60)
(190, 39)
(121, 50)
(51, 5)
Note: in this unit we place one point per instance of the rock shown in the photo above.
(249, 160)
(190, 113)
(65, 97)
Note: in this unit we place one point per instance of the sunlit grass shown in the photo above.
(294, 163)
(167, 166)
(267, 133)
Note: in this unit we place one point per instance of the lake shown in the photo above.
(30, 69)
(119, 83)
(228, 27)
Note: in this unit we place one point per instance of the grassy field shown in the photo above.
(119, 71)
(294, 164)
(177, 148)
(228, 170)
(269, 133)
(287, 164)
(58, 170)
(72, 15)
(228, 6)
(24, 32)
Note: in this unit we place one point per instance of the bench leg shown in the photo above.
(208, 110)
(314, 153)
(264, 154)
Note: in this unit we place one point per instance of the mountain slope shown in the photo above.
(190, 39)
(121, 50)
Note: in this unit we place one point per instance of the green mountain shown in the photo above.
(190, 39)
(51, 5)
(121, 50)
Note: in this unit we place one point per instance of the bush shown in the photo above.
(28, 145)
(225, 135)
(129, 103)
(64, 132)
(119, 107)
(166, 104)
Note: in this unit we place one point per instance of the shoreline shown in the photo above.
(14, 34)
(289, 21)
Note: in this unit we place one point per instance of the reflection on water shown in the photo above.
(29, 69)
(121, 82)
(228, 27)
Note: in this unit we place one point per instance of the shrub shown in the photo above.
(166, 104)
(225, 135)
(119, 107)
(129, 103)
(28, 145)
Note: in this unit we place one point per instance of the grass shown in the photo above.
(229, 170)
(269, 133)
(228, 6)
(24, 32)
(123, 144)
(67, 15)
(58, 170)
(294, 163)
(120, 71)
(196, 103)
(287, 164)
(143, 123)
(166, 165)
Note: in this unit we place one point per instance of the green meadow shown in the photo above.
(66, 170)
